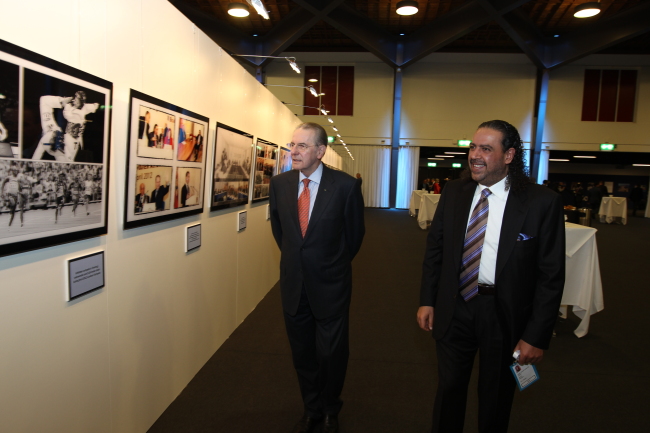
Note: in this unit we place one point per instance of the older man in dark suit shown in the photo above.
(317, 222)
(493, 273)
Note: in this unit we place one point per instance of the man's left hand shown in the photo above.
(528, 354)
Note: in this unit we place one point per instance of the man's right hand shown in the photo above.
(425, 318)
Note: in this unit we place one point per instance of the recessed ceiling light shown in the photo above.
(559, 160)
(583, 156)
(556, 36)
(407, 7)
(641, 165)
(444, 156)
(587, 10)
(401, 34)
(438, 159)
(238, 10)
(313, 80)
(255, 34)
(456, 153)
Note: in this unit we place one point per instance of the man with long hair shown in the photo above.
(492, 280)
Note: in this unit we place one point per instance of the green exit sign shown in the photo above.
(432, 164)
(607, 146)
(464, 143)
(330, 139)
(456, 165)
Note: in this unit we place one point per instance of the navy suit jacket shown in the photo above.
(322, 261)
(529, 275)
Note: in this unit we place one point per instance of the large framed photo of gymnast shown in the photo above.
(265, 156)
(54, 151)
(166, 161)
(232, 167)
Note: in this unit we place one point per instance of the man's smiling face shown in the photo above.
(488, 162)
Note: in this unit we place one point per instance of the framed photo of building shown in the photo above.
(166, 164)
(265, 155)
(284, 160)
(54, 151)
(232, 167)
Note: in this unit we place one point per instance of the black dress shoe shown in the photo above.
(331, 424)
(305, 425)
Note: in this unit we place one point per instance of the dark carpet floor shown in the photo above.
(594, 384)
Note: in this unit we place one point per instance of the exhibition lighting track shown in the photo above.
(310, 88)
(329, 119)
(291, 60)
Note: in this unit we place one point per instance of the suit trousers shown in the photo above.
(320, 351)
(474, 327)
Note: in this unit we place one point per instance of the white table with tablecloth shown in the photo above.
(428, 206)
(611, 208)
(583, 287)
(414, 204)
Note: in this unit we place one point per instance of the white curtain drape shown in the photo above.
(407, 175)
(332, 158)
(373, 164)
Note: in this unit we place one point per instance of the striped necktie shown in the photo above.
(303, 207)
(473, 247)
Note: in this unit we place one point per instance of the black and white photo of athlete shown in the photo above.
(63, 145)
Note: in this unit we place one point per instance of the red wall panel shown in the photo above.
(311, 100)
(626, 97)
(590, 95)
(346, 91)
(328, 87)
(608, 96)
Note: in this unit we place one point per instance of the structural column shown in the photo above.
(395, 132)
(538, 164)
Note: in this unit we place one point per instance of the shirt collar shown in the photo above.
(498, 189)
(315, 176)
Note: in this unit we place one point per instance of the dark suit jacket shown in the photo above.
(185, 191)
(529, 275)
(158, 197)
(322, 260)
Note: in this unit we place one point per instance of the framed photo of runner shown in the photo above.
(265, 155)
(54, 151)
(231, 180)
(165, 167)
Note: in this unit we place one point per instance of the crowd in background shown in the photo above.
(590, 195)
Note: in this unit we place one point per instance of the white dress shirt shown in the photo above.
(313, 185)
(497, 201)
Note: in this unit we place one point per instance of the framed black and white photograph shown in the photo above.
(54, 151)
(166, 164)
(284, 160)
(266, 155)
(232, 168)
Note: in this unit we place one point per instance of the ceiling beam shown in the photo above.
(598, 36)
(293, 26)
(364, 32)
(224, 34)
(451, 26)
(521, 30)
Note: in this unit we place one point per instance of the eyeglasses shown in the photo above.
(300, 146)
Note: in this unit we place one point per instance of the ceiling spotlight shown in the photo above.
(335, 128)
(329, 119)
(259, 7)
(584, 156)
(321, 94)
(293, 65)
(313, 80)
(407, 7)
(238, 10)
(587, 10)
(444, 156)
(312, 91)
(558, 160)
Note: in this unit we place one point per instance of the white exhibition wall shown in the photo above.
(114, 360)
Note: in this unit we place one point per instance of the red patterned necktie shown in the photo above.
(473, 247)
(303, 207)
